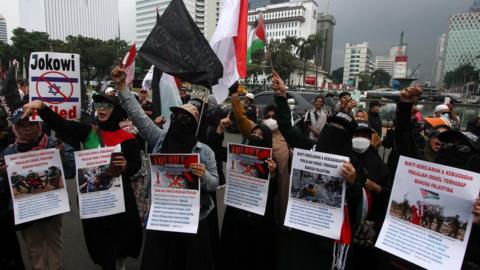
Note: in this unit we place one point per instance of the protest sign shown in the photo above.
(55, 79)
(175, 193)
(429, 218)
(37, 184)
(317, 193)
(99, 183)
(248, 178)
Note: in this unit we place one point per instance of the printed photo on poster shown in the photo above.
(249, 161)
(97, 178)
(37, 181)
(317, 188)
(440, 213)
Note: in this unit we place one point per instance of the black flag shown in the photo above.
(9, 95)
(177, 47)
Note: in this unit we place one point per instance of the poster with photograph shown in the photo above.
(247, 178)
(37, 184)
(429, 218)
(317, 193)
(175, 193)
(99, 183)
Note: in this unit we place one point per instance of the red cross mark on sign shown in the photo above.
(47, 79)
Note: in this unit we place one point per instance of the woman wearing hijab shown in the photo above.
(172, 250)
(302, 250)
(109, 239)
(43, 238)
(247, 239)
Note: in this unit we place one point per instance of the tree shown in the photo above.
(284, 61)
(305, 52)
(365, 81)
(461, 75)
(381, 78)
(316, 41)
(337, 75)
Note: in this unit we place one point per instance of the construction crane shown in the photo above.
(414, 71)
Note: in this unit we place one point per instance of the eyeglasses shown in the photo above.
(104, 105)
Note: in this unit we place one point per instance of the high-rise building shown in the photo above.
(287, 19)
(385, 63)
(325, 26)
(205, 13)
(439, 60)
(463, 41)
(358, 59)
(89, 18)
(3, 30)
(476, 6)
(253, 4)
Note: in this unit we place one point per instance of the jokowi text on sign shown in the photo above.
(55, 79)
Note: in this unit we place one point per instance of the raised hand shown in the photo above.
(411, 94)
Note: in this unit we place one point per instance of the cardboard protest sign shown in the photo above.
(175, 193)
(248, 178)
(317, 193)
(37, 183)
(429, 218)
(55, 79)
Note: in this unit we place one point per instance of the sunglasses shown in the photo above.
(104, 105)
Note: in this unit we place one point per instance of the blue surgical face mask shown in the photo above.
(446, 115)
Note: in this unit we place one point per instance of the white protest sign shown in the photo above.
(55, 79)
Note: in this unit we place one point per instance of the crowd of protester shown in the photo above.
(246, 240)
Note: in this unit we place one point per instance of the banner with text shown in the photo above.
(429, 218)
(37, 184)
(99, 182)
(55, 80)
(317, 193)
(248, 178)
(175, 193)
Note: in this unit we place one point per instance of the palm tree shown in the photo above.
(305, 52)
(316, 41)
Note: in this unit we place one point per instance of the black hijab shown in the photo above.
(117, 115)
(180, 138)
(266, 141)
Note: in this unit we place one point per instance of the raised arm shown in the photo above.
(146, 127)
(244, 124)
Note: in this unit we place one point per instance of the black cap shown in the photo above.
(342, 94)
(456, 136)
(100, 97)
(375, 103)
(363, 125)
(345, 120)
(17, 115)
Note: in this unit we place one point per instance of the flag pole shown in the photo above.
(204, 100)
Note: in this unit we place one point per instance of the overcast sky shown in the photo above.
(377, 21)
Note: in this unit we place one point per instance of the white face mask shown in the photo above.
(292, 106)
(360, 145)
(271, 124)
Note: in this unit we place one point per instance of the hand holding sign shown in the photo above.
(348, 172)
(476, 212)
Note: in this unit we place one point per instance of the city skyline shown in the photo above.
(377, 21)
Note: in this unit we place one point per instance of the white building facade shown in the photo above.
(89, 18)
(205, 13)
(358, 58)
(297, 19)
(3, 30)
(439, 63)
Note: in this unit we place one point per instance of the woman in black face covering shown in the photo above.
(247, 239)
(302, 250)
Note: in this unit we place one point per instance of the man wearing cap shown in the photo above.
(250, 109)
(346, 103)
(374, 117)
(43, 238)
(161, 249)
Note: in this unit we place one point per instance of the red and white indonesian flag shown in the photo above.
(229, 42)
(129, 63)
(256, 38)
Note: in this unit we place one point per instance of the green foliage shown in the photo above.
(337, 75)
(284, 61)
(462, 74)
(97, 56)
(381, 78)
(365, 81)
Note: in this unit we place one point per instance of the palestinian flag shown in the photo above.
(427, 194)
(256, 38)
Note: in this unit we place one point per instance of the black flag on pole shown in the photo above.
(177, 47)
(9, 95)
